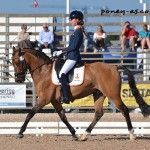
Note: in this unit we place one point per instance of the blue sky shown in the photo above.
(58, 6)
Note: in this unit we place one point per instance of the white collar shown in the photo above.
(75, 27)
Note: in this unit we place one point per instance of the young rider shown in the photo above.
(72, 51)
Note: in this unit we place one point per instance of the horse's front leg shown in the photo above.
(98, 105)
(57, 105)
(33, 111)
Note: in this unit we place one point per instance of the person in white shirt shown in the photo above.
(99, 38)
(46, 38)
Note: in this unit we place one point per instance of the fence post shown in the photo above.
(146, 71)
(6, 68)
(34, 94)
(63, 29)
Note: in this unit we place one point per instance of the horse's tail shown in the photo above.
(145, 108)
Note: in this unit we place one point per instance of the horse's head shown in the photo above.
(19, 64)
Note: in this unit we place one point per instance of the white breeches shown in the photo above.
(68, 65)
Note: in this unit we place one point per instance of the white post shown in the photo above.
(145, 55)
(144, 9)
(141, 1)
(67, 20)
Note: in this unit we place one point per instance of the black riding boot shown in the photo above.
(64, 89)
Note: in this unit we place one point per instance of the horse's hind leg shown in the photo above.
(33, 111)
(98, 104)
(57, 105)
(124, 110)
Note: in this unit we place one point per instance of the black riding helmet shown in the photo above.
(76, 14)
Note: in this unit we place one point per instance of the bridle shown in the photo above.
(25, 71)
(23, 65)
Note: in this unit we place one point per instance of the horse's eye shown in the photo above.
(17, 63)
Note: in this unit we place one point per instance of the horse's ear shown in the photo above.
(19, 51)
(14, 49)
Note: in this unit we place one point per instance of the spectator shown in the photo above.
(85, 41)
(99, 38)
(144, 37)
(46, 38)
(128, 36)
(24, 38)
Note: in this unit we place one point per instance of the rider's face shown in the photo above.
(74, 21)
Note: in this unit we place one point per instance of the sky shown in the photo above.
(59, 6)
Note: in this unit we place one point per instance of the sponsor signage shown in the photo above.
(126, 95)
(12, 96)
(128, 98)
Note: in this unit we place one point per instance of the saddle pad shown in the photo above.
(78, 76)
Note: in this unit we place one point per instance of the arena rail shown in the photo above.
(59, 128)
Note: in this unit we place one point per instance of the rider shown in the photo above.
(72, 51)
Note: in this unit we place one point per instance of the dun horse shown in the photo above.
(101, 80)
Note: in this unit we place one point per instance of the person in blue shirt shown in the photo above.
(72, 51)
(46, 38)
(144, 37)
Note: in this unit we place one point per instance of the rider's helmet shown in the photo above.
(76, 14)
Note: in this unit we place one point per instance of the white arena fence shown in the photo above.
(59, 128)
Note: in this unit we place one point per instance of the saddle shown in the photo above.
(74, 76)
(58, 65)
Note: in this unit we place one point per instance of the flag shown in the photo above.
(35, 3)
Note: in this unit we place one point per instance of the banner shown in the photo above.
(128, 98)
(12, 96)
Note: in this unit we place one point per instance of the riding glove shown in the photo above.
(57, 53)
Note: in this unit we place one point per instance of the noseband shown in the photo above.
(24, 65)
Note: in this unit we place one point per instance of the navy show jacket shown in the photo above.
(75, 43)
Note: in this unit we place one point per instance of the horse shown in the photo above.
(101, 79)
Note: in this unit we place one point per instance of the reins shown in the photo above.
(37, 68)
(40, 66)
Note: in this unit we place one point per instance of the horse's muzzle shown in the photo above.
(19, 77)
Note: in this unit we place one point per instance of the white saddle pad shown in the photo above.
(78, 76)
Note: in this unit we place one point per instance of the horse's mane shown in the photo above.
(40, 55)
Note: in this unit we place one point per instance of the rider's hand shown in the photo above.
(57, 53)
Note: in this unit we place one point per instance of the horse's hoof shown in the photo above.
(83, 138)
(132, 138)
(19, 136)
(75, 138)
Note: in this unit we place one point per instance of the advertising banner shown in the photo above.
(128, 98)
(126, 95)
(12, 96)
